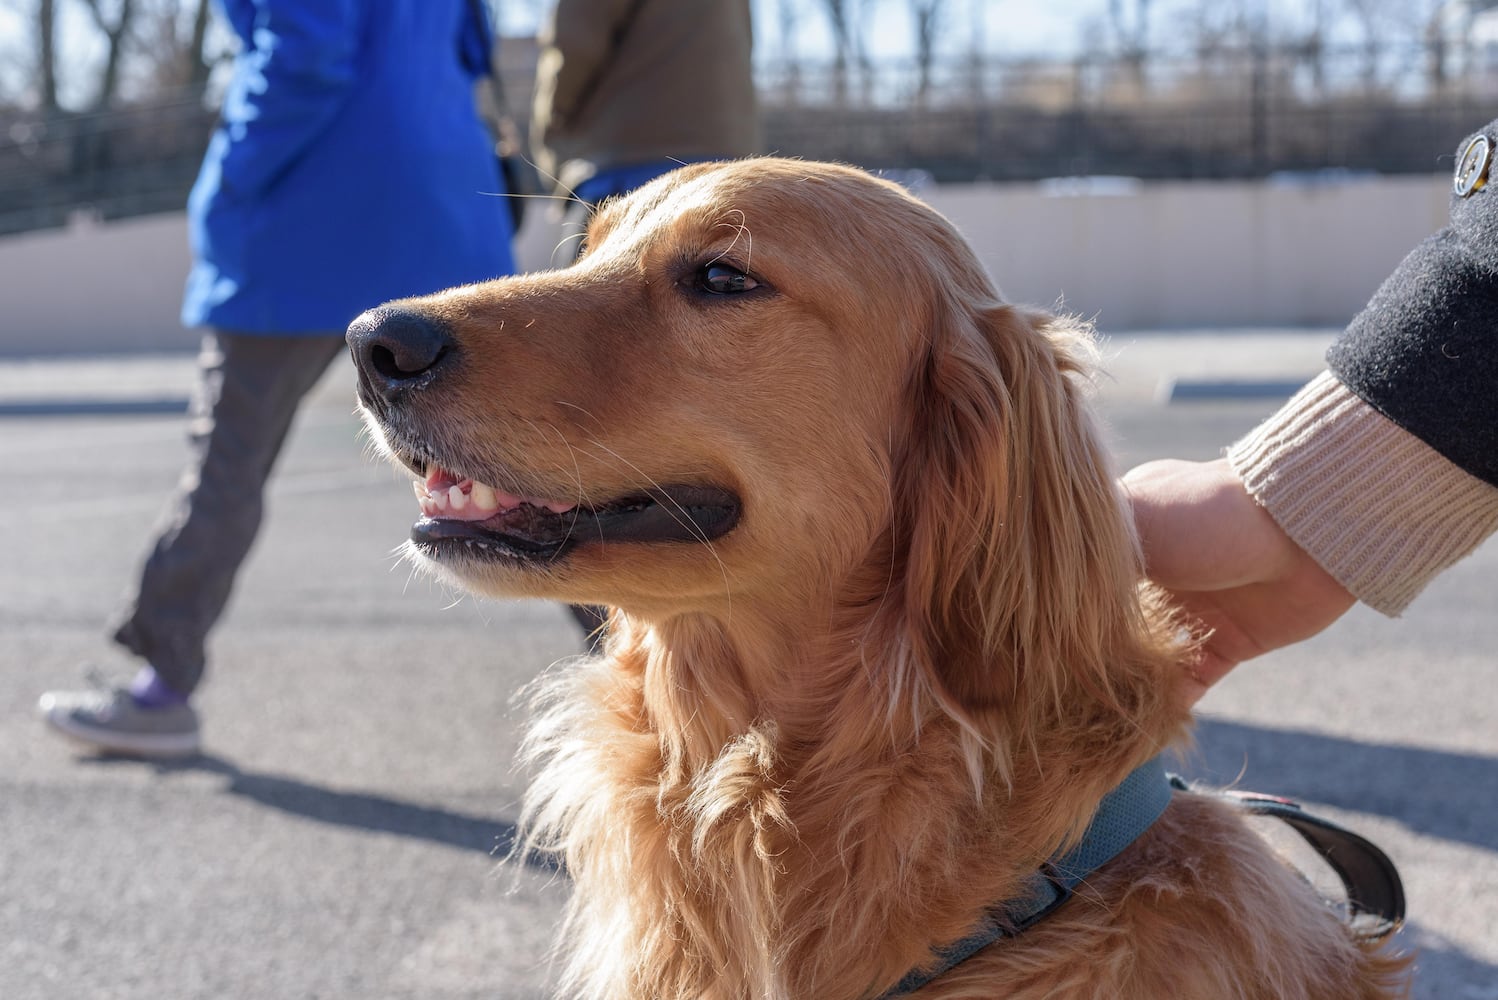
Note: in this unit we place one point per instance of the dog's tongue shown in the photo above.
(439, 478)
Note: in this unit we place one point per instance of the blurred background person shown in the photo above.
(349, 167)
(627, 90)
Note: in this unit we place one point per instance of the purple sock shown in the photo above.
(150, 691)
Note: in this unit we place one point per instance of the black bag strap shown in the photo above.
(480, 15)
(520, 178)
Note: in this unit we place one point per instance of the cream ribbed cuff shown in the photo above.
(1379, 509)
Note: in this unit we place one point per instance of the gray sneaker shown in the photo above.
(110, 720)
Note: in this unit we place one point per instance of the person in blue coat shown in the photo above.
(349, 167)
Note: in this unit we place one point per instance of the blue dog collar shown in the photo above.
(1121, 818)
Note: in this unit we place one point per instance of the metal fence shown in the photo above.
(1208, 141)
(1224, 113)
(1220, 112)
(114, 164)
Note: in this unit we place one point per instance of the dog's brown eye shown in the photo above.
(720, 279)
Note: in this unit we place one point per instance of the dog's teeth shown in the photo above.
(479, 499)
(483, 497)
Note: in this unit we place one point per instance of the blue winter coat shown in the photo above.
(349, 166)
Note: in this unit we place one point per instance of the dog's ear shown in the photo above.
(1021, 569)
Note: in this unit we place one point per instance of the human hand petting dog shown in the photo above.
(1227, 565)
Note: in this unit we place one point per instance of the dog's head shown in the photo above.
(771, 385)
(703, 406)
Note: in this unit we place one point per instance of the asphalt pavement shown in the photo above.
(341, 835)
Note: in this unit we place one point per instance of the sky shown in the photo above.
(985, 25)
(1012, 27)
(999, 25)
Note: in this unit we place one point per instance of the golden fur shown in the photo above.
(817, 748)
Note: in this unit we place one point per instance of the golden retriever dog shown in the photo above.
(878, 646)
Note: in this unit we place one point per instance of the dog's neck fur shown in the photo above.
(803, 795)
(805, 814)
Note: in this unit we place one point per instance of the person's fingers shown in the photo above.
(1246, 622)
(1242, 585)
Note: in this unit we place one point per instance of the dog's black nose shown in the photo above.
(397, 350)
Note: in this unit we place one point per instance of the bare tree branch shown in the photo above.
(114, 34)
(838, 19)
(927, 15)
(46, 24)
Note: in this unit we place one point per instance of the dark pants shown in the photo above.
(249, 388)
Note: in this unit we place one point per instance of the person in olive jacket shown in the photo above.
(349, 167)
(627, 90)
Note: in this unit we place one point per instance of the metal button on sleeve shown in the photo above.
(1472, 166)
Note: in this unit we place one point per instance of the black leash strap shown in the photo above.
(1375, 892)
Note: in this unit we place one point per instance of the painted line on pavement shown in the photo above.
(1172, 390)
(146, 406)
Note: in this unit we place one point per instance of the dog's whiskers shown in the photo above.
(577, 476)
(580, 235)
(678, 514)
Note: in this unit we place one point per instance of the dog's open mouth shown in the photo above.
(462, 515)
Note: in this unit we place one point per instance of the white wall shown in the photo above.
(1166, 255)
(95, 288)
(1198, 254)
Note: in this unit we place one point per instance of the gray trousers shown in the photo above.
(249, 388)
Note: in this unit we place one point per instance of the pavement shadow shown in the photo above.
(1450, 974)
(1433, 792)
(360, 810)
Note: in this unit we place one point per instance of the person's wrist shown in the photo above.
(1375, 506)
